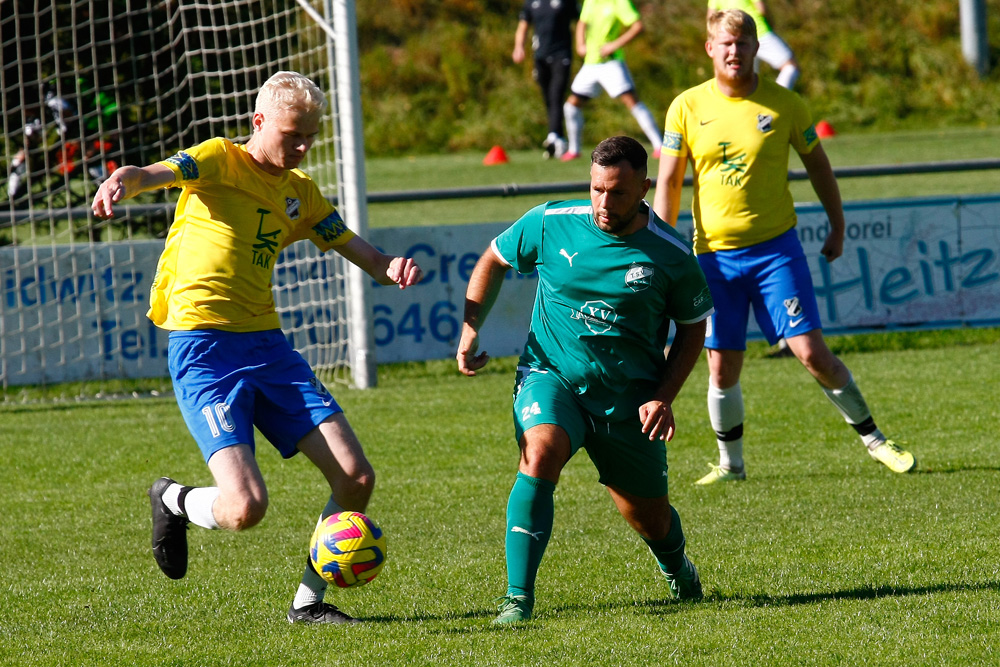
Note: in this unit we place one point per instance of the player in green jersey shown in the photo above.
(612, 277)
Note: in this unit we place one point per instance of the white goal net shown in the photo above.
(88, 85)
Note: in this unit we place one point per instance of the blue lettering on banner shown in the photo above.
(440, 321)
(40, 289)
(901, 284)
(129, 343)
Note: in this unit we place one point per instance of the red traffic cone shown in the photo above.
(495, 156)
(824, 130)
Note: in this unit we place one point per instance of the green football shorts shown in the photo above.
(625, 457)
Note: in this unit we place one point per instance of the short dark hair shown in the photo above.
(613, 150)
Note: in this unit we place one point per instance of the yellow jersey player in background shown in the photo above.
(736, 130)
(231, 366)
(773, 50)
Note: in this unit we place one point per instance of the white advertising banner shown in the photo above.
(78, 312)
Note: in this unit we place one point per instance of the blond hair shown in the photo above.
(287, 91)
(733, 21)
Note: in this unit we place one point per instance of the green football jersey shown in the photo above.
(604, 303)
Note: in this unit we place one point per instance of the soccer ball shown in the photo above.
(347, 549)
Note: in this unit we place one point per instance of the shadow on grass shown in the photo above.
(714, 599)
(834, 475)
(864, 593)
(954, 469)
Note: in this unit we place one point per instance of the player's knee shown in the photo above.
(245, 513)
(359, 484)
(819, 360)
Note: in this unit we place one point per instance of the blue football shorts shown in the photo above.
(624, 456)
(774, 278)
(226, 383)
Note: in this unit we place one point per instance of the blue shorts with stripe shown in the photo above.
(226, 383)
(773, 278)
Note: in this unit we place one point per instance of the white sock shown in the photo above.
(725, 412)
(853, 408)
(648, 124)
(788, 75)
(198, 506)
(171, 500)
(574, 126)
(313, 587)
(849, 402)
(873, 439)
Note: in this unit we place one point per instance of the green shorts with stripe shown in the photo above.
(625, 457)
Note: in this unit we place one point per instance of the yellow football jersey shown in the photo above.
(739, 148)
(231, 222)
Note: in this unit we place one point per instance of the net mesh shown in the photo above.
(89, 85)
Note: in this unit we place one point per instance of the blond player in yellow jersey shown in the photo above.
(231, 366)
(736, 131)
(773, 50)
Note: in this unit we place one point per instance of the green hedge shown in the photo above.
(437, 74)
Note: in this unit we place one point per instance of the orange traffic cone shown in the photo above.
(495, 156)
(824, 130)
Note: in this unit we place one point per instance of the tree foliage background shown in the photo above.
(437, 74)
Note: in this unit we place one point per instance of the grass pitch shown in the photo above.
(821, 557)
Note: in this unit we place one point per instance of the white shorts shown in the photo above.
(773, 51)
(613, 76)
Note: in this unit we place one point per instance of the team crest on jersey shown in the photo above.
(764, 122)
(638, 277)
(187, 165)
(597, 315)
(792, 307)
(292, 208)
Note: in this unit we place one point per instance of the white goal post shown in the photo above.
(88, 85)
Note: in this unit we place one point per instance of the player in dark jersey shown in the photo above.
(552, 47)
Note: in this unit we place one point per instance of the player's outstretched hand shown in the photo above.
(110, 193)
(657, 420)
(404, 272)
(468, 361)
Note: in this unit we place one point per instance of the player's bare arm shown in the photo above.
(657, 415)
(520, 37)
(484, 286)
(385, 269)
(581, 39)
(824, 182)
(127, 182)
(669, 181)
(630, 33)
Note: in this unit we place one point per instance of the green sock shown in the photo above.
(669, 552)
(530, 512)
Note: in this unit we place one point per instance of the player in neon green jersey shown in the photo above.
(232, 369)
(736, 130)
(611, 278)
(604, 28)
